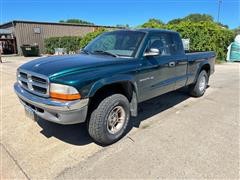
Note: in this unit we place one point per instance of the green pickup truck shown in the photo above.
(105, 82)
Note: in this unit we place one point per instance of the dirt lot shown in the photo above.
(175, 136)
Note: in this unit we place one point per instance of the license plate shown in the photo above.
(30, 113)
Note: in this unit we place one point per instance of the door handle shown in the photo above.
(171, 64)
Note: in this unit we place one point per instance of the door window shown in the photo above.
(163, 42)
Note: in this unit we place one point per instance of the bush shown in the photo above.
(204, 36)
(153, 23)
(90, 36)
(70, 43)
(76, 21)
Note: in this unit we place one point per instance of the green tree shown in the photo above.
(237, 30)
(198, 17)
(193, 18)
(222, 25)
(153, 23)
(175, 21)
(76, 21)
(203, 35)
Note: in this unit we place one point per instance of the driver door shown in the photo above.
(157, 72)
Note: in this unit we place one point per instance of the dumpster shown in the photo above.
(30, 50)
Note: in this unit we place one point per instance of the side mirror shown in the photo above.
(152, 52)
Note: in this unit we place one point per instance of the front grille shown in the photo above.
(34, 83)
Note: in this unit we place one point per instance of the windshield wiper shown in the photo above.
(85, 51)
(105, 52)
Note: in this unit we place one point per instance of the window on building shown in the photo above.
(37, 30)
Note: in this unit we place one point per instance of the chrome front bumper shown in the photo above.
(61, 112)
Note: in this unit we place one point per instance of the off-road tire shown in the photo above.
(97, 125)
(194, 89)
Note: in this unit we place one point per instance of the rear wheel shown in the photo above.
(199, 88)
(109, 120)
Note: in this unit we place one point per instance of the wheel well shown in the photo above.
(126, 88)
(206, 67)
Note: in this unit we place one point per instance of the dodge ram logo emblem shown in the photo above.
(29, 82)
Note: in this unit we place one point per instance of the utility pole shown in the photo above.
(219, 7)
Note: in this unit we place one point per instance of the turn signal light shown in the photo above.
(65, 96)
(63, 92)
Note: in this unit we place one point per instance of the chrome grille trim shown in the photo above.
(33, 82)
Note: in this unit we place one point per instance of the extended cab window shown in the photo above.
(164, 43)
(177, 44)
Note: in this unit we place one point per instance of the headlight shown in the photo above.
(63, 92)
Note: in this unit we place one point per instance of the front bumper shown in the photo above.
(61, 112)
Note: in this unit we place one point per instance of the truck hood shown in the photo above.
(59, 65)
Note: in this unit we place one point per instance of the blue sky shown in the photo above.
(110, 12)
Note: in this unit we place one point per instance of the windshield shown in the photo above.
(116, 43)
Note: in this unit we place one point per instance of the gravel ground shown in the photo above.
(174, 136)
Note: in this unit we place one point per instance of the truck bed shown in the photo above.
(198, 59)
(200, 55)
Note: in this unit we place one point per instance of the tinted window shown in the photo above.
(165, 42)
(178, 45)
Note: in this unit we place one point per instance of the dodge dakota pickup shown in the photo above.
(103, 85)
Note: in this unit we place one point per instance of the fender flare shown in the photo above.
(118, 79)
(111, 80)
(200, 67)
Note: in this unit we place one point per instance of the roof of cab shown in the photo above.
(149, 30)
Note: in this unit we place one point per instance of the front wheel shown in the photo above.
(199, 88)
(108, 122)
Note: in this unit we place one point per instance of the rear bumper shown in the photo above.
(65, 112)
